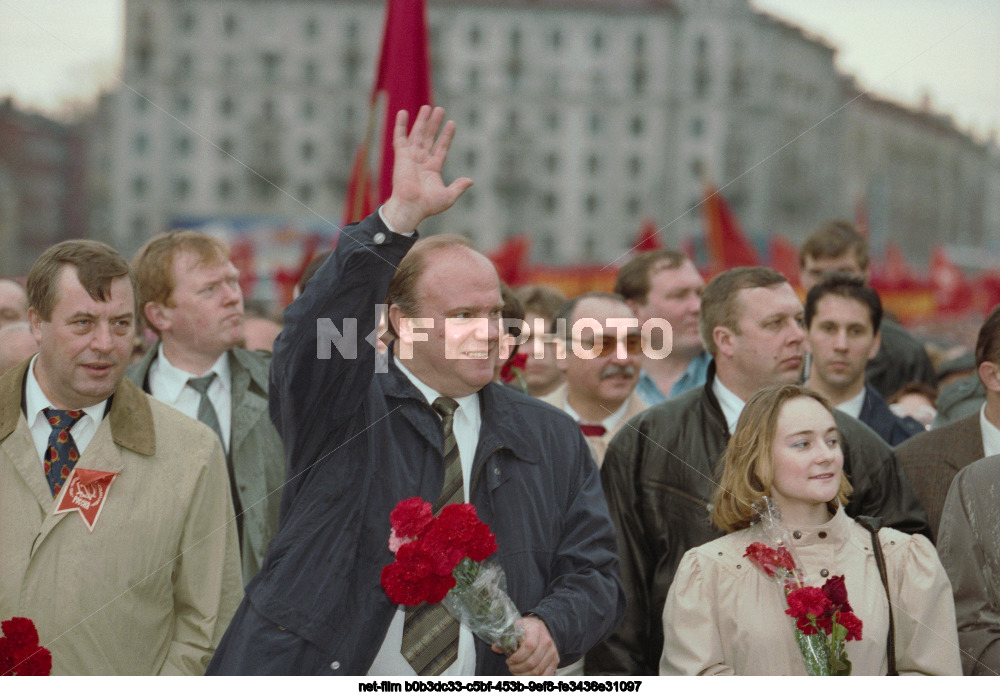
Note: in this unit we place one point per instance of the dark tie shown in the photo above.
(430, 633)
(593, 430)
(208, 416)
(61, 455)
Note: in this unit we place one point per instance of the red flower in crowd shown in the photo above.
(411, 579)
(836, 591)
(808, 602)
(852, 623)
(768, 559)
(19, 650)
(410, 517)
(518, 362)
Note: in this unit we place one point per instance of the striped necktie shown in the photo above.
(430, 633)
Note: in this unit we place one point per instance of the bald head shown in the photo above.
(13, 303)
(16, 344)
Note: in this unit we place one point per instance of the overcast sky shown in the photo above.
(59, 52)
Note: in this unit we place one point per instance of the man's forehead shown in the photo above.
(761, 301)
(845, 309)
(73, 297)
(602, 309)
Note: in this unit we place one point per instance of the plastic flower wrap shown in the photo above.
(824, 620)
(20, 653)
(440, 559)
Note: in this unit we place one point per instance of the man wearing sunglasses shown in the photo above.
(601, 363)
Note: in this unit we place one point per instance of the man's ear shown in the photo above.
(395, 320)
(35, 321)
(989, 373)
(875, 346)
(723, 337)
(158, 315)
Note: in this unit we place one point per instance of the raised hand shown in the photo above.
(418, 192)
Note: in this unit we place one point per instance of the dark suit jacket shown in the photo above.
(930, 460)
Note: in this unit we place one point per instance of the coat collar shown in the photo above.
(130, 417)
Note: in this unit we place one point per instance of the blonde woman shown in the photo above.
(724, 616)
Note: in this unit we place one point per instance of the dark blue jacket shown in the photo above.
(876, 414)
(358, 442)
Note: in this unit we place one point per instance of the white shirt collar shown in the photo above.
(35, 400)
(173, 379)
(732, 405)
(853, 406)
(991, 434)
(467, 405)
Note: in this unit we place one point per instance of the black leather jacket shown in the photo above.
(658, 479)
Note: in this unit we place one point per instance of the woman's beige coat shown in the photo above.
(724, 616)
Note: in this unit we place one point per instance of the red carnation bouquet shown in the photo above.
(20, 653)
(443, 559)
(824, 620)
(513, 371)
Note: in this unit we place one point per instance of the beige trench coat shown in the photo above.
(153, 587)
(723, 616)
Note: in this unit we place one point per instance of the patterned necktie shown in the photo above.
(593, 430)
(208, 416)
(430, 633)
(61, 455)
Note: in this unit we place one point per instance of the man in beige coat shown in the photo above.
(601, 366)
(114, 508)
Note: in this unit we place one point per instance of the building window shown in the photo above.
(228, 66)
(701, 75)
(224, 189)
(633, 207)
(271, 63)
(473, 118)
(144, 58)
(697, 126)
(634, 166)
(592, 204)
(312, 28)
(183, 146)
(470, 199)
(552, 120)
(185, 64)
(473, 79)
(308, 109)
(305, 193)
(555, 38)
(182, 187)
(229, 25)
(140, 143)
(512, 121)
(226, 147)
(595, 123)
(549, 202)
(139, 227)
(639, 78)
(141, 103)
(470, 159)
(637, 126)
(475, 36)
(308, 150)
(187, 22)
(597, 41)
(593, 164)
(139, 186)
(515, 38)
(182, 104)
(352, 30)
(552, 162)
(226, 106)
(267, 110)
(311, 72)
(640, 45)
(697, 168)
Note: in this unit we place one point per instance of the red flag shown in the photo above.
(404, 75)
(358, 203)
(510, 258)
(727, 246)
(784, 258)
(648, 238)
(895, 273)
(243, 255)
(403, 81)
(952, 294)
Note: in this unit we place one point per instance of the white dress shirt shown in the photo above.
(732, 405)
(609, 423)
(35, 402)
(390, 660)
(169, 385)
(991, 434)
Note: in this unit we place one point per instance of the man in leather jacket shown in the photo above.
(658, 473)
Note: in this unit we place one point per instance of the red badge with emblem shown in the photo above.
(85, 491)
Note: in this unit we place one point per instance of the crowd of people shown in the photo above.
(186, 489)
